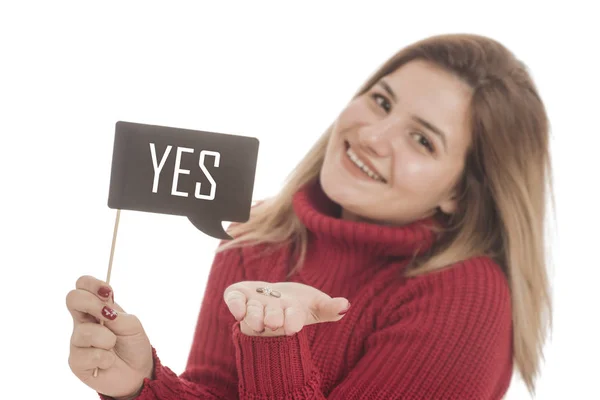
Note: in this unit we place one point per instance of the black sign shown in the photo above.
(205, 176)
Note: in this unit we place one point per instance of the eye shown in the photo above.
(423, 141)
(382, 101)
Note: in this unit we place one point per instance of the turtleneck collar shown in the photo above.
(321, 216)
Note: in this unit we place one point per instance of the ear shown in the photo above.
(449, 205)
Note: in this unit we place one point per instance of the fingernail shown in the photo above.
(109, 313)
(345, 310)
(104, 291)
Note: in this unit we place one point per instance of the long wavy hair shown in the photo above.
(504, 187)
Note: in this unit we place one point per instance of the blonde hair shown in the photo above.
(503, 188)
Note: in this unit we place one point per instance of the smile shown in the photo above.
(361, 164)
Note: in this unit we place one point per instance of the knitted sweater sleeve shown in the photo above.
(448, 336)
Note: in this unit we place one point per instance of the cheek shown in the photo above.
(354, 114)
(415, 174)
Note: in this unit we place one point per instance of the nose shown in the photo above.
(376, 138)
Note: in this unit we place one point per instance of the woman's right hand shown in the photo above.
(120, 349)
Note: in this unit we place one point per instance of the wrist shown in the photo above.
(149, 375)
(131, 396)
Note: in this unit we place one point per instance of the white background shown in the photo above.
(70, 70)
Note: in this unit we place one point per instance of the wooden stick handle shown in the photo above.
(110, 262)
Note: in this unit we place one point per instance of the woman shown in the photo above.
(423, 206)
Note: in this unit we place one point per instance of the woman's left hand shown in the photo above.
(299, 305)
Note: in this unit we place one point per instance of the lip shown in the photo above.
(364, 159)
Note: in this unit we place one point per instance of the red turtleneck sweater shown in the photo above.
(444, 335)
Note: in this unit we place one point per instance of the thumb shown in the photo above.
(332, 309)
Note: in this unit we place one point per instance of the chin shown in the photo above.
(347, 197)
(355, 204)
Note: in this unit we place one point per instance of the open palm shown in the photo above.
(265, 315)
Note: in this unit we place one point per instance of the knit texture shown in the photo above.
(444, 335)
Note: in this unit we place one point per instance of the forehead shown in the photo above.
(433, 94)
(430, 82)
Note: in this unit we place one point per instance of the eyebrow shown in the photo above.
(428, 125)
(388, 89)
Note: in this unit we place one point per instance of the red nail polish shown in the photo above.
(104, 291)
(345, 311)
(109, 313)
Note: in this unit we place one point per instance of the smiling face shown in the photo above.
(396, 152)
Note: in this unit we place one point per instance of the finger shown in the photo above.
(236, 302)
(81, 303)
(255, 315)
(93, 335)
(99, 288)
(326, 309)
(294, 319)
(87, 359)
(274, 317)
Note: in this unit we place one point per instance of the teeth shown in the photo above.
(354, 158)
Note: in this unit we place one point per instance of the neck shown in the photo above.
(347, 215)
(352, 217)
